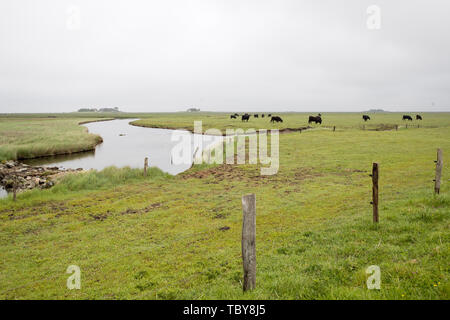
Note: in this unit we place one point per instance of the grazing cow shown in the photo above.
(245, 117)
(276, 119)
(269, 115)
(406, 117)
(262, 116)
(317, 119)
(256, 115)
(233, 116)
(418, 117)
(366, 117)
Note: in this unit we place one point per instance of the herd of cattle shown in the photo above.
(246, 117)
(405, 117)
(316, 119)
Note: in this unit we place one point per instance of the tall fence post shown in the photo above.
(249, 241)
(374, 202)
(439, 165)
(145, 166)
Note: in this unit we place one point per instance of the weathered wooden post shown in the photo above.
(334, 128)
(249, 241)
(374, 202)
(439, 165)
(145, 166)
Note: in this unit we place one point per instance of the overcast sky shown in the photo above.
(227, 55)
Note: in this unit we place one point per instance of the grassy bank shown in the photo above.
(342, 121)
(24, 138)
(178, 237)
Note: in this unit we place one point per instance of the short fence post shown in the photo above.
(145, 166)
(375, 191)
(439, 165)
(248, 241)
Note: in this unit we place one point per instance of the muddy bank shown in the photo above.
(14, 174)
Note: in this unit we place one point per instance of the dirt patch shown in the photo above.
(220, 173)
(144, 210)
(287, 130)
(100, 217)
(348, 171)
(382, 127)
(306, 174)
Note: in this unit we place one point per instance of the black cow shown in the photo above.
(269, 115)
(233, 116)
(276, 119)
(262, 116)
(256, 115)
(418, 117)
(366, 117)
(245, 117)
(317, 119)
(406, 117)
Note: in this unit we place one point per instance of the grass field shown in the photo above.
(24, 138)
(342, 121)
(162, 237)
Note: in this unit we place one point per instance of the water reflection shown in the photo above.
(125, 145)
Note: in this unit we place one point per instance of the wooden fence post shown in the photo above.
(375, 191)
(249, 241)
(439, 165)
(145, 166)
(396, 127)
(334, 128)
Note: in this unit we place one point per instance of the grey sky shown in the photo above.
(228, 55)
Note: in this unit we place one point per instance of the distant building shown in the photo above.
(193, 110)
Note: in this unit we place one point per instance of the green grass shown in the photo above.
(25, 138)
(342, 121)
(159, 237)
